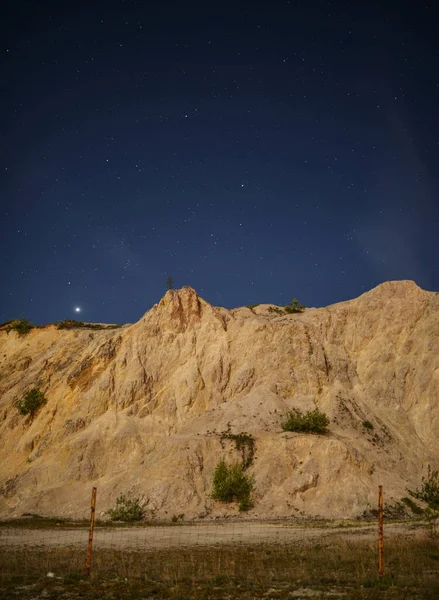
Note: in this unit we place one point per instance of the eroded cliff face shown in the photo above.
(138, 409)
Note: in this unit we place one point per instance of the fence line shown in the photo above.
(276, 549)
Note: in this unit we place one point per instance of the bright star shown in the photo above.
(77, 309)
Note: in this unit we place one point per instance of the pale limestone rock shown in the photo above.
(138, 409)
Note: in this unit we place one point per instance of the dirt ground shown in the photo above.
(211, 534)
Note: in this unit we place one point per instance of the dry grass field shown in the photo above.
(333, 562)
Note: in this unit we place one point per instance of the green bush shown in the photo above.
(31, 402)
(367, 425)
(126, 509)
(22, 326)
(312, 421)
(429, 490)
(231, 484)
(295, 307)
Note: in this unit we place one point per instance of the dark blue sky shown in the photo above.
(256, 153)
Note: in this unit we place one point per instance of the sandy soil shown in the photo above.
(156, 537)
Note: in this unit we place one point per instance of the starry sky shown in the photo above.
(255, 151)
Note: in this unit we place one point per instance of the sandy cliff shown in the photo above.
(136, 409)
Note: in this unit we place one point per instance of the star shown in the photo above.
(77, 309)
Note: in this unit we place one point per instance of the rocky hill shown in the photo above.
(139, 409)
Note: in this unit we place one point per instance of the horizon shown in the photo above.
(80, 320)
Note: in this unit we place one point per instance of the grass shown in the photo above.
(331, 568)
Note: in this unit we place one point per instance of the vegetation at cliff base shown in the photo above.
(429, 490)
(126, 509)
(231, 484)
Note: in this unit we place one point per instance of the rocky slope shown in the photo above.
(138, 409)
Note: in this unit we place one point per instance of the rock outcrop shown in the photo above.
(139, 409)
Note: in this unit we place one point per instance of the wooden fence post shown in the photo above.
(90, 535)
(380, 533)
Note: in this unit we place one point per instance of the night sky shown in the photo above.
(255, 151)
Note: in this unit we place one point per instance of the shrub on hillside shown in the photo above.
(231, 484)
(312, 421)
(31, 402)
(22, 326)
(126, 509)
(294, 307)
